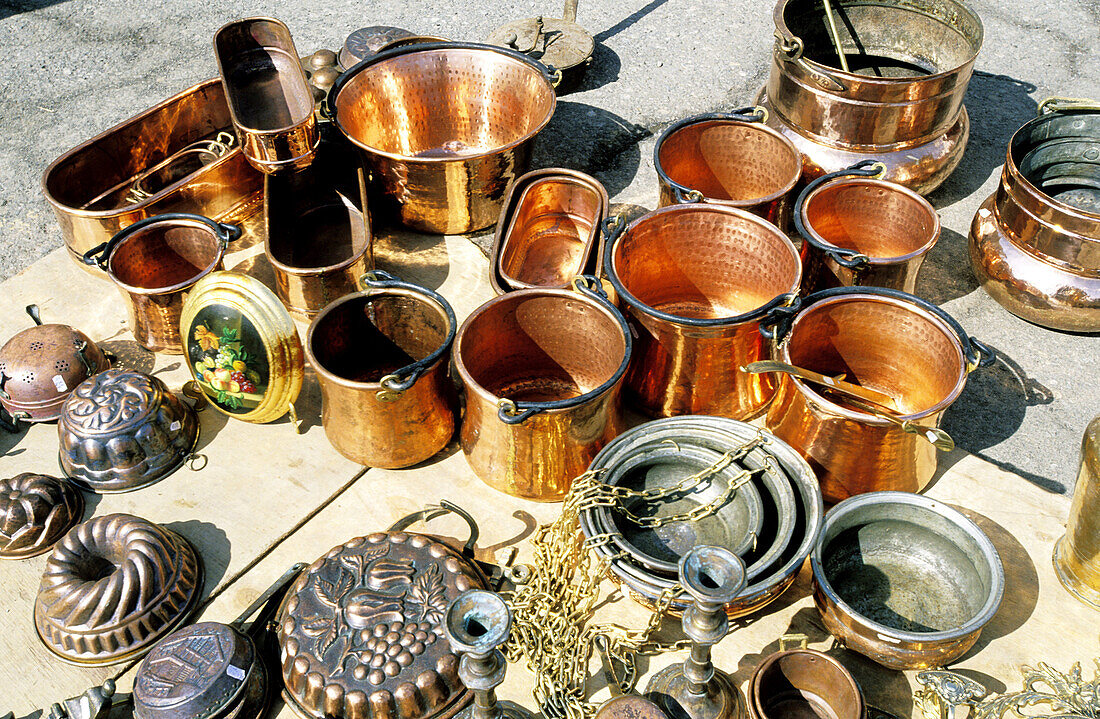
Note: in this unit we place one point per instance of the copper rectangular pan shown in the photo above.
(549, 230)
(88, 186)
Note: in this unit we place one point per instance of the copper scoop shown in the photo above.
(621, 705)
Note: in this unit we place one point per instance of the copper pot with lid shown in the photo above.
(40, 367)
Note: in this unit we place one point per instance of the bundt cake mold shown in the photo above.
(122, 430)
(113, 586)
(35, 511)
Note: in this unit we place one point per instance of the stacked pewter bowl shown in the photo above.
(771, 520)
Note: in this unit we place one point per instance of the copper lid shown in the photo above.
(35, 510)
(113, 586)
(121, 430)
(362, 634)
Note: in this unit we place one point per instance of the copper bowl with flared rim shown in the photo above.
(696, 279)
(542, 370)
(803, 683)
(365, 344)
(904, 579)
(444, 127)
(731, 161)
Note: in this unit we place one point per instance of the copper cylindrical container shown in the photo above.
(899, 101)
(1035, 242)
(803, 683)
(884, 340)
(270, 100)
(729, 159)
(381, 357)
(444, 128)
(695, 280)
(1077, 554)
(154, 262)
(542, 370)
(861, 230)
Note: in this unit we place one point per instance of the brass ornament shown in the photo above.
(113, 587)
(35, 511)
(1046, 692)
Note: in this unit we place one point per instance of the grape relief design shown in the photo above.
(379, 613)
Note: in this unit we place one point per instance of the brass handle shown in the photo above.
(837, 383)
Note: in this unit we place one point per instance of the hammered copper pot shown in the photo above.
(542, 371)
(884, 340)
(155, 262)
(895, 95)
(695, 280)
(444, 128)
(381, 357)
(1035, 242)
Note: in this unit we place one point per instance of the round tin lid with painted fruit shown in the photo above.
(242, 348)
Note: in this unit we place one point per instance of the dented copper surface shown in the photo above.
(35, 511)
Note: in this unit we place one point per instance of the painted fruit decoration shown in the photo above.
(229, 361)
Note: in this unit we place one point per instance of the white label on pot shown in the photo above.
(59, 382)
(174, 426)
(885, 638)
(235, 672)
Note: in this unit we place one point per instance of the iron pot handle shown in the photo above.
(513, 413)
(844, 257)
(101, 254)
(402, 379)
(790, 47)
(682, 193)
(437, 510)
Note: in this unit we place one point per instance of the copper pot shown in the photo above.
(154, 263)
(803, 683)
(381, 359)
(862, 230)
(1035, 242)
(729, 159)
(894, 94)
(696, 279)
(443, 128)
(884, 340)
(542, 370)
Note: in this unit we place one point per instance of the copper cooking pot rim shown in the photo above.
(223, 233)
(784, 34)
(997, 574)
(853, 175)
(758, 701)
(754, 115)
(1011, 167)
(378, 283)
(330, 110)
(615, 230)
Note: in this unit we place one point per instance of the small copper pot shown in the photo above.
(1035, 242)
(695, 280)
(542, 369)
(884, 340)
(803, 683)
(896, 94)
(381, 359)
(729, 159)
(154, 263)
(862, 230)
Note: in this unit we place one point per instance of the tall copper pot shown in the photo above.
(884, 340)
(542, 370)
(695, 280)
(381, 357)
(900, 100)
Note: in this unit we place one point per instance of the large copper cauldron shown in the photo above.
(695, 280)
(381, 359)
(444, 127)
(155, 262)
(862, 230)
(883, 340)
(729, 159)
(1035, 242)
(895, 94)
(542, 370)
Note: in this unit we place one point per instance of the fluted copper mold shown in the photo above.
(361, 630)
(35, 510)
(122, 430)
(113, 586)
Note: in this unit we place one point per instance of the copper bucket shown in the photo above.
(380, 356)
(155, 262)
(863, 230)
(729, 159)
(696, 279)
(542, 369)
(444, 128)
(884, 340)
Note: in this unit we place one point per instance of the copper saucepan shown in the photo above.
(803, 683)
